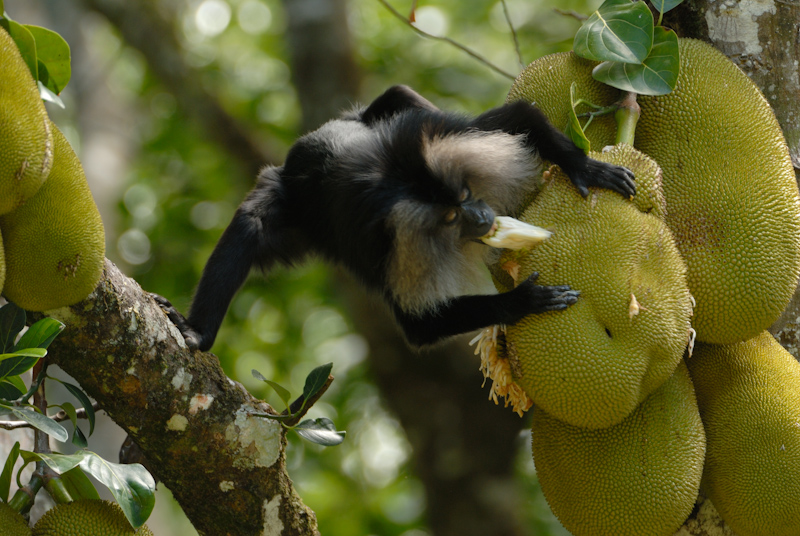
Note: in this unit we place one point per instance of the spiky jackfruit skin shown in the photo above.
(26, 143)
(546, 83)
(591, 364)
(54, 243)
(731, 193)
(749, 399)
(87, 517)
(638, 477)
(12, 523)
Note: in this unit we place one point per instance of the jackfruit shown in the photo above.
(591, 364)
(26, 143)
(640, 477)
(732, 198)
(54, 243)
(87, 516)
(11, 522)
(749, 399)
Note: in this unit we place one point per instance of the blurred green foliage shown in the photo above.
(182, 190)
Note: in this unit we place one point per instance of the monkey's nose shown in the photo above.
(478, 219)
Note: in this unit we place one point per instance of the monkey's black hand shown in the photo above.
(542, 298)
(191, 337)
(604, 175)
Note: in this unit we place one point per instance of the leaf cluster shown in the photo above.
(131, 485)
(321, 431)
(637, 54)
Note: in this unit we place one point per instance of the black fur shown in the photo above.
(371, 189)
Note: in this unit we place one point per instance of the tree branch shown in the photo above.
(225, 466)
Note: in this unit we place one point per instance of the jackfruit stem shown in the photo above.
(627, 115)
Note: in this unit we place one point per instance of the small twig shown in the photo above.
(58, 417)
(513, 33)
(456, 44)
(39, 373)
(574, 14)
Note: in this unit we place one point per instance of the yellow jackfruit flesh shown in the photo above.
(592, 363)
(749, 399)
(640, 477)
(11, 522)
(87, 517)
(26, 143)
(732, 199)
(54, 243)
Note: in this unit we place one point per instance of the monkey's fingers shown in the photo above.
(190, 335)
(612, 177)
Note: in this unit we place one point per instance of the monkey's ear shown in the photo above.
(394, 100)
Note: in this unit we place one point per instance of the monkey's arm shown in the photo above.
(553, 145)
(224, 273)
(468, 313)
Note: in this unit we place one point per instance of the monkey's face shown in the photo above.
(471, 216)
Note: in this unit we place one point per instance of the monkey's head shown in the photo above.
(452, 190)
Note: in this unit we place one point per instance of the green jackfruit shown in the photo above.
(87, 517)
(11, 522)
(749, 399)
(640, 477)
(732, 199)
(54, 243)
(26, 143)
(591, 364)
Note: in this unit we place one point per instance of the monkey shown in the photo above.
(398, 193)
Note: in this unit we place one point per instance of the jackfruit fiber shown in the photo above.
(749, 399)
(732, 199)
(26, 143)
(639, 477)
(55, 242)
(11, 522)
(592, 363)
(87, 517)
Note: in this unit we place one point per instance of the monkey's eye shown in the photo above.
(465, 193)
(451, 215)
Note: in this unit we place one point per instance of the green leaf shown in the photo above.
(617, 31)
(665, 5)
(656, 76)
(37, 420)
(15, 364)
(132, 486)
(12, 388)
(60, 463)
(25, 43)
(78, 484)
(25, 352)
(8, 467)
(321, 431)
(12, 320)
(574, 129)
(53, 55)
(85, 402)
(41, 334)
(316, 380)
(283, 393)
(78, 439)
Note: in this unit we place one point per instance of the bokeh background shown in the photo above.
(173, 107)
